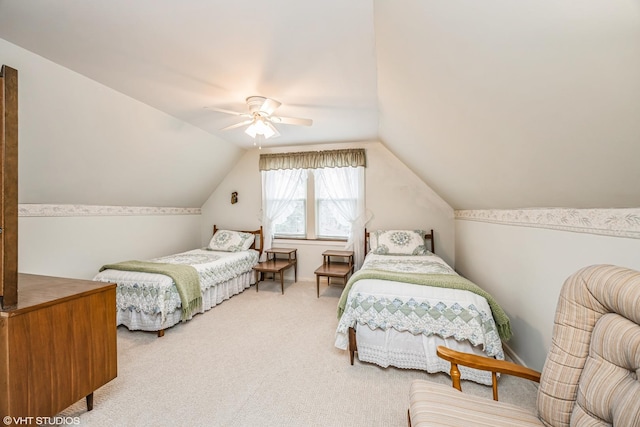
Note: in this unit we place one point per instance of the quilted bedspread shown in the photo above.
(157, 294)
(463, 312)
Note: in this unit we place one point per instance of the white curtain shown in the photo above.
(345, 190)
(278, 189)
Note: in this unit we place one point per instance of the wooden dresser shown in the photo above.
(57, 346)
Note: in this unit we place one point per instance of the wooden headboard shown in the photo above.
(257, 242)
(428, 236)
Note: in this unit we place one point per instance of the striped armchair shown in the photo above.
(591, 373)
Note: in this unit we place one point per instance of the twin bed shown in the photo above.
(390, 318)
(157, 294)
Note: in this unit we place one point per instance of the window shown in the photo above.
(320, 205)
(317, 194)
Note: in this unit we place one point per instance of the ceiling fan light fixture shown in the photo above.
(260, 119)
(259, 127)
(251, 131)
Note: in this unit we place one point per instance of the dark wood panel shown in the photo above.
(9, 186)
(2, 183)
(4, 364)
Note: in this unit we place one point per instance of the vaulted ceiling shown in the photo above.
(493, 103)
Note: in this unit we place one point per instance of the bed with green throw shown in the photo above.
(405, 301)
(155, 294)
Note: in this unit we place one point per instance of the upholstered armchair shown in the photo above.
(590, 376)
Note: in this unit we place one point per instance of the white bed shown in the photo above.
(390, 322)
(151, 301)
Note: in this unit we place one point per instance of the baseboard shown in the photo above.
(512, 355)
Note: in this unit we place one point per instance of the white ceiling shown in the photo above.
(317, 58)
(493, 103)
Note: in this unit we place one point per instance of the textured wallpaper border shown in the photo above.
(607, 222)
(44, 210)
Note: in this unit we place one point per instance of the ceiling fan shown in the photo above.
(260, 119)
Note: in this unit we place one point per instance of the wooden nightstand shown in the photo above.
(274, 265)
(330, 269)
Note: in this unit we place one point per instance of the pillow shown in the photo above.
(231, 241)
(398, 242)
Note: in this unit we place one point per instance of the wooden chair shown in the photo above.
(590, 376)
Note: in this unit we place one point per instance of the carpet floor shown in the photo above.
(260, 359)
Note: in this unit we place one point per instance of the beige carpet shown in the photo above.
(259, 359)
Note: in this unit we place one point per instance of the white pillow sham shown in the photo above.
(398, 242)
(231, 241)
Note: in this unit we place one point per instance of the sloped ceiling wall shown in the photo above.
(493, 103)
(502, 104)
(83, 143)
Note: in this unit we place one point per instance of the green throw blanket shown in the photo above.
(184, 276)
(438, 280)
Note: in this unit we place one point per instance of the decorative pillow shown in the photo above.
(398, 242)
(231, 241)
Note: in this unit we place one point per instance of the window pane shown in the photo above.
(329, 221)
(336, 200)
(293, 224)
(293, 219)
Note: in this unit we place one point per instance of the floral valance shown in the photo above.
(313, 159)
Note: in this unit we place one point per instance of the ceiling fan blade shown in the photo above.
(237, 125)
(273, 128)
(222, 110)
(269, 106)
(292, 121)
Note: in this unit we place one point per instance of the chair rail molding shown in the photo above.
(607, 222)
(47, 210)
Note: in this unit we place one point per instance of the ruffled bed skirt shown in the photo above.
(407, 351)
(139, 321)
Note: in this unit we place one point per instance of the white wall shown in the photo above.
(78, 246)
(81, 142)
(524, 268)
(395, 197)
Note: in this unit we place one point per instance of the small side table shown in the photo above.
(330, 269)
(274, 265)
